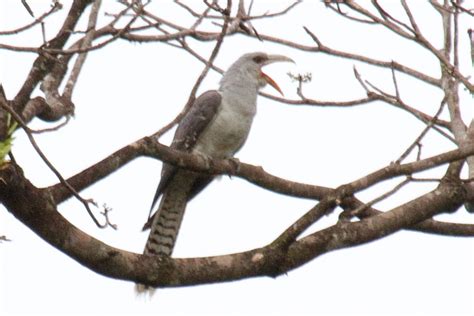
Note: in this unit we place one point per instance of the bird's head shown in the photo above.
(252, 63)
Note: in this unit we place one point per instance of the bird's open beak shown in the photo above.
(271, 82)
(274, 59)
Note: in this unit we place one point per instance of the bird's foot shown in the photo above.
(208, 161)
(235, 164)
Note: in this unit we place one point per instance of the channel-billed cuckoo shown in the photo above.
(216, 126)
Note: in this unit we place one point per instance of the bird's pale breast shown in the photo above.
(227, 132)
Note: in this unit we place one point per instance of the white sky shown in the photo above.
(127, 91)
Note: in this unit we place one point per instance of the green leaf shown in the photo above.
(6, 145)
(5, 148)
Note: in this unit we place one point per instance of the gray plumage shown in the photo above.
(217, 125)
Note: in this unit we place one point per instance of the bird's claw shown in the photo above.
(235, 163)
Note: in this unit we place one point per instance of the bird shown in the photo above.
(216, 126)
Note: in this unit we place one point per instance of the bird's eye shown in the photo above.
(259, 59)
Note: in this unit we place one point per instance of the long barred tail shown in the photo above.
(165, 225)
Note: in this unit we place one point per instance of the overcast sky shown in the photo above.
(127, 91)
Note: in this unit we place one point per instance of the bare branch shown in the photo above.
(274, 14)
(456, 38)
(394, 27)
(461, 8)
(44, 63)
(86, 43)
(313, 36)
(186, 47)
(43, 218)
(27, 7)
(321, 103)
(396, 101)
(361, 82)
(418, 37)
(338, 10)
(4, 238)
(387, 16)
(40, 153)
(430, 226)
(413, 23)
(52, 129)
(203, 74)
(325, 206)
(371, 61)
(423, 133)
(395, 84)
(346, 216)
(148, 146)
(191, 11)
(246, 16)
(54, 8)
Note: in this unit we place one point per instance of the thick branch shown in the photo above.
(255, 174)
(37, 210)
(148, 147)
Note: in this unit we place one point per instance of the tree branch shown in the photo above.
(54, 8)
(44, 62)
(210, 61)
(91, 25)
(36, 210)
(148, 146)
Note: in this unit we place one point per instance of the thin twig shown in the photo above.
(38, 150)
(313, 36)
(325, 206)
(338, 10)
(388, 24)
(274, 14)
(345, 216)
(186, 47)
(4, 238)
(413, 179)
(396, 101)
(52, 129)
(386, 16)
(418, 152)
(412, 20)
(461, 8)
(54, 8)
(215, 6)
(395, 83)
(189, 9)
(27, 7)
(43, 33)
(362, 82)
(200, 18)
(371, 61)
(106, 212)
(201, 77)
(418, 37)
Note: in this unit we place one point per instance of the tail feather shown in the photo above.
(166, 223)
(165, 226)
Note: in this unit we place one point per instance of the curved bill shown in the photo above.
(272, 82)
(274, 59)
(278, 58)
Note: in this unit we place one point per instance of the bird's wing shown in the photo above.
(199, 116)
